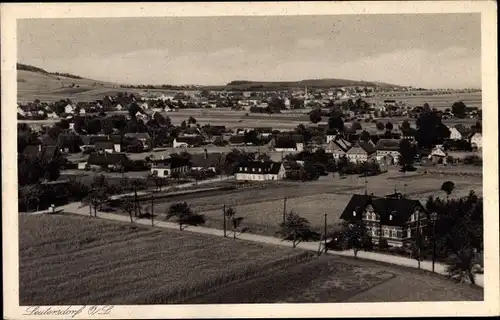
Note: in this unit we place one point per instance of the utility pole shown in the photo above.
(326, 248)
(152, 208)
(224, 216)
(284, 209)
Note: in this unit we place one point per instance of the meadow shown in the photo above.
(79, 260)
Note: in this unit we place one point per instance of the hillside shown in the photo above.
(316, 83)
(36, 83)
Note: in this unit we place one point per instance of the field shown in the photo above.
(78, 260)
(340, 279)
(262, 205)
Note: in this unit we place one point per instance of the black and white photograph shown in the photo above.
(328, 157)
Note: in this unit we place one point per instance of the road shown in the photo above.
(77, 208)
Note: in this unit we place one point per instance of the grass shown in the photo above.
(343, 279)
(78, 260)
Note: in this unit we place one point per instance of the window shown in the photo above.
(155, 172)
(409, 233)
(386, 232)
(253, 169)
(165, 172)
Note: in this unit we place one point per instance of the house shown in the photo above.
(20, 111)
(288, 142)
(118, 107)
(207, 161)
(455, 134)
(106, 146)
(82, 111)
(438, 154)
(69, 109)
(185, 142)
(141, 116)
(338, 147)
(361, 152)
(143, 137)
(52, 115)
(237, 140)
(330, 136)
(190, 132)
(69, 142)
(171, 166)
(260, 171)
(476, 140)
(395, 219)
(107, 160)
(387, 151)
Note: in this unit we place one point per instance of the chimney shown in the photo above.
(206, 154)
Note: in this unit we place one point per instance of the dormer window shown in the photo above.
(390, 217)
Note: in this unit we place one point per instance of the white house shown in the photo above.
(166, 170)
(476, 140)
(52, 115)
(455, 134)
(69, 109)
(260, 171)
(118, 107)
(387, 151)
(21, 111)
(361, 152)
(82, 111)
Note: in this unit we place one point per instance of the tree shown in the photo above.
(405, 126)
(335, 121)
(356, 235)
(129, 207)
(31, 193)
(296, 228)
(235, 221)
(431, 130)
(183, 125)
(191, 120)
(380, 126)
(356, 126)
(184, 214)
(93, 126)
(365, 136)
(458, 109)
(389, 126)
(459, 232)
(315, 115)
(133, 109)
(407, 153)
(448, 187)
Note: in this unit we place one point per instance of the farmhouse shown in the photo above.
(260, 171)
(107, 160)
(207, 161)
(394, 219)
(455, 134)
(189, 141)
(173, 165)
(438, 154)
(361, 152)
(387, 151)
(288, 142)
(338, 147)
(476, 140)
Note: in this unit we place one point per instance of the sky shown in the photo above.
(424, 50)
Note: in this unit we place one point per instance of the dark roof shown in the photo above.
(366, 146)
(115, 138)
(190, 140)
(92, 139)
(172, 163)
(65, 139)
(285, 143)
(103, 159)
(388, 145)
(400, 208)
(209, 160)
(104, 145)
(237, 139)
(357, 203)
(297, 138)
(137, 135)
(265, 167)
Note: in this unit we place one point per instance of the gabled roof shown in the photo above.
(137, 135)
(92, 139)
(237, 139)
(400, 208)
(105, 145)
(365, 146)
(387, 145)
(104, 159)
(339, 144)
(285, 143)
(208, 161)
(270, 167)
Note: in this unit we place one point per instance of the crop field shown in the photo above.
(262, 205)
(343, 279)
(79, 260)
(435, 101)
